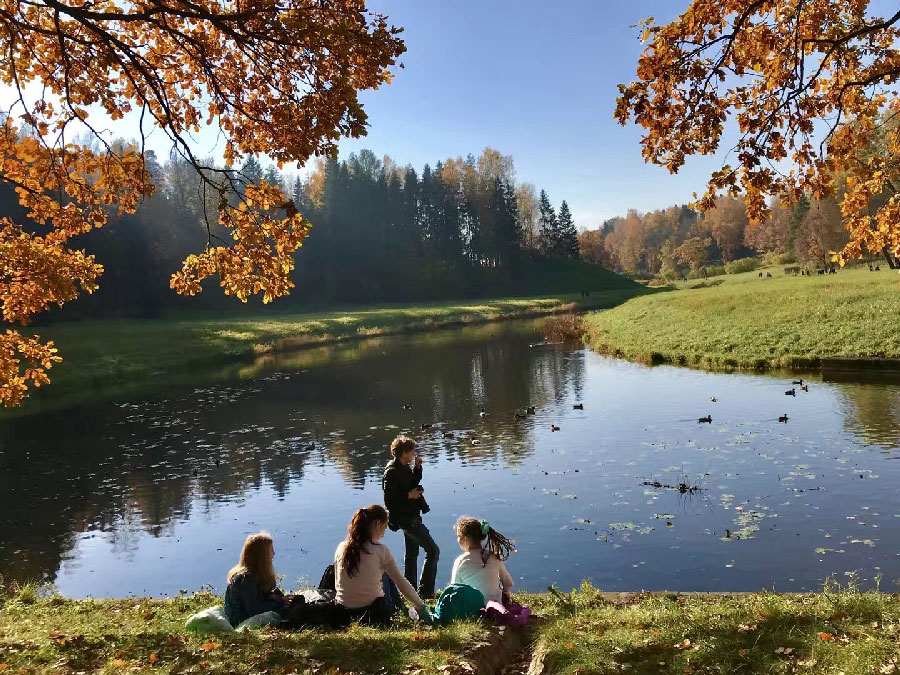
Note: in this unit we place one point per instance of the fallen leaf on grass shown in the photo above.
(828, 637)
(207, 646)
(686, 644)
(838, 614)
(743, 652)
(787, 651)
(4, 666)
(119, 663)
(746, 628)
(154, 658)
(569, 645)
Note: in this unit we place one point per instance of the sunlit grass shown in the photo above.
(54, 634)
(748, 322)
(584, 632)
(840, 630)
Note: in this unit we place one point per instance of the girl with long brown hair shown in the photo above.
(251, 587)
(481, 564)
(361, 562)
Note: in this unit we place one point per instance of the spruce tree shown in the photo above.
(251, 171)
(548, 228)
(271, 175)
(568, 235)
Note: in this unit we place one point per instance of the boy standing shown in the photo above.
(405, 504)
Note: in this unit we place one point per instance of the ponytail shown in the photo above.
(480, 530)
(359, 534)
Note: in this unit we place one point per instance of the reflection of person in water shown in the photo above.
(403, 497)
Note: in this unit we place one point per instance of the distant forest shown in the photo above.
(678, 242)
(381, 232)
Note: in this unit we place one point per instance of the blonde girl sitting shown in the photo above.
(251, 590)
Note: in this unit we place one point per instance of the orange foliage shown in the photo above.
(275, 78)
(809, 84)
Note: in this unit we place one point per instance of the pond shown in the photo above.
(154, 495)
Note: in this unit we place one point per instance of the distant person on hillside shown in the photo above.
(251, 590)
(360, 564)
(481, 563)
(405, 504)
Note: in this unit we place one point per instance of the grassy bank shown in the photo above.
(837, 631)
(56, 635)
(135, 355)
(583, 632)
(742, 321)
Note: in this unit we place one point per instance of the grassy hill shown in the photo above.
(743, 321)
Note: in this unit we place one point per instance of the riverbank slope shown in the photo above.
(840, 630)
(105, 357)
(744, 321)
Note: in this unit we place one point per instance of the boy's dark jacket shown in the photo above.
(397, 481)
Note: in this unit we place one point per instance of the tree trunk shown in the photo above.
(891, 260)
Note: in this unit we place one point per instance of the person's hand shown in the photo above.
(418, 463)
(415, 493)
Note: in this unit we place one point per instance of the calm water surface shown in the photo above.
(155, 495)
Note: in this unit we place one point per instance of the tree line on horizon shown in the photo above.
(678, 242)
(380, 232)
(456, 229)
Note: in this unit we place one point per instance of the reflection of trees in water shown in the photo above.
(872, 412)
(113, 468)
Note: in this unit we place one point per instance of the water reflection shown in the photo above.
(155, 494)
(872, 410)
(152, 463)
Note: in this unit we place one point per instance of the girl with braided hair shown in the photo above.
(481, 563)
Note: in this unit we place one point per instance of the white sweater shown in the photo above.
(491, 578)
(365, 587)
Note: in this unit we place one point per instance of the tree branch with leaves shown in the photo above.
(278, 77)
(808, 85)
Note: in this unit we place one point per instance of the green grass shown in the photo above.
(129, 356)
(742, 321)
(840, 631)
(584, 632)
(56, 635)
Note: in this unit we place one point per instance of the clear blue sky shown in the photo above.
(535, 80)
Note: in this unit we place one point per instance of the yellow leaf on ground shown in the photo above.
(208, 646)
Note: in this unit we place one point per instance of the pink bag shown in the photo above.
(510, 614)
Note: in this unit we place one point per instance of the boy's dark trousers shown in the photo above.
(417, 536)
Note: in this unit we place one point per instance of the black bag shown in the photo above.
(327, 580)
(315, 608)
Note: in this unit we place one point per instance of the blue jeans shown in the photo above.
(417, 536)
(391, 594)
